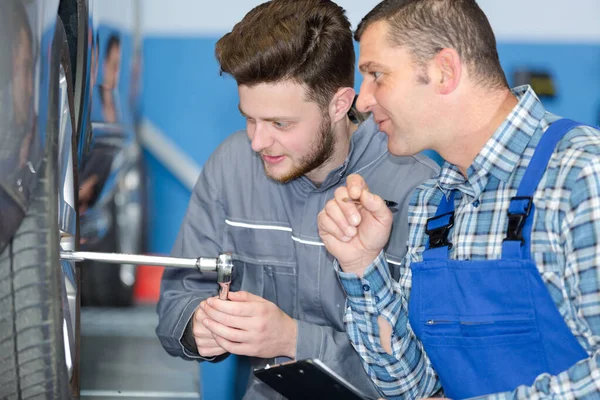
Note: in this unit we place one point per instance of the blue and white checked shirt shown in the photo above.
(565, 247)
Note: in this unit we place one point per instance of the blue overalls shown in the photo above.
(490, 326)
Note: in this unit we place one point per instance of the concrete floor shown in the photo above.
(121, 358)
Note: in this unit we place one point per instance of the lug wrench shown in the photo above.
(222, 265)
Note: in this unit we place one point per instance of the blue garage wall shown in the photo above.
(185, 98)
(574, 67)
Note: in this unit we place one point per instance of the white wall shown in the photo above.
(544, 20)
(522, 20)
(116, 13)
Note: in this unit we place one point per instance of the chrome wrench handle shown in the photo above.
(223, 264)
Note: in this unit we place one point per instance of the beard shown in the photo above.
(321, 151)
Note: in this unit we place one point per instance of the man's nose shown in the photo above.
(366, 100)
(260, 137)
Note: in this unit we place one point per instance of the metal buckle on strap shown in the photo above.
(438, 237)
(516, 221)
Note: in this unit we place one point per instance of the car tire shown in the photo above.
(32, 323)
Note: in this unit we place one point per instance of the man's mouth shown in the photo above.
(381, 122)
(272, 160)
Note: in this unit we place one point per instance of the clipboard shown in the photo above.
(308, 379)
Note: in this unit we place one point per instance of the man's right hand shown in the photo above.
(205, 341)
(355, 232)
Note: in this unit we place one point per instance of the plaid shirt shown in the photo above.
(565, 246)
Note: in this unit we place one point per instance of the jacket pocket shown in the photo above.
(280, 287)
(265, 261)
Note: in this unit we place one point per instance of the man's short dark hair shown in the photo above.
(306, 41)
(425, 27)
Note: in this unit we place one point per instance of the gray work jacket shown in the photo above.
(271, 229)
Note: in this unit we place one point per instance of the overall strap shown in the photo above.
(438, 229)
(517, 244)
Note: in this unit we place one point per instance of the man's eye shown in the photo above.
(375, 75)
(280, 125)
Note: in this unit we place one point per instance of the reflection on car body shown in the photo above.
(110, 203)
(20, 152)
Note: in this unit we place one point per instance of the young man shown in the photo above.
(260, 192)
(503, 289)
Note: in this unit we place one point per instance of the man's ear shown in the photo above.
(448, 71)
(341, 103)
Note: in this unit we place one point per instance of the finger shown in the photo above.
(235, 308)
(341, 193)
(376, 206)
(228, 345)
(328, 227)
(348, 206)
(199, 314)
(245, 297)
(356, 186)
(229, 320)
(350, 213)
(225, 332)
(200, 331)
(344, 215)
(242, 349)
(206, 343)
(198, 328)
(211, 351)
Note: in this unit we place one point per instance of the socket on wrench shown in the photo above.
(224, 272)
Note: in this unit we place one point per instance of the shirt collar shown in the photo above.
(502, 152)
